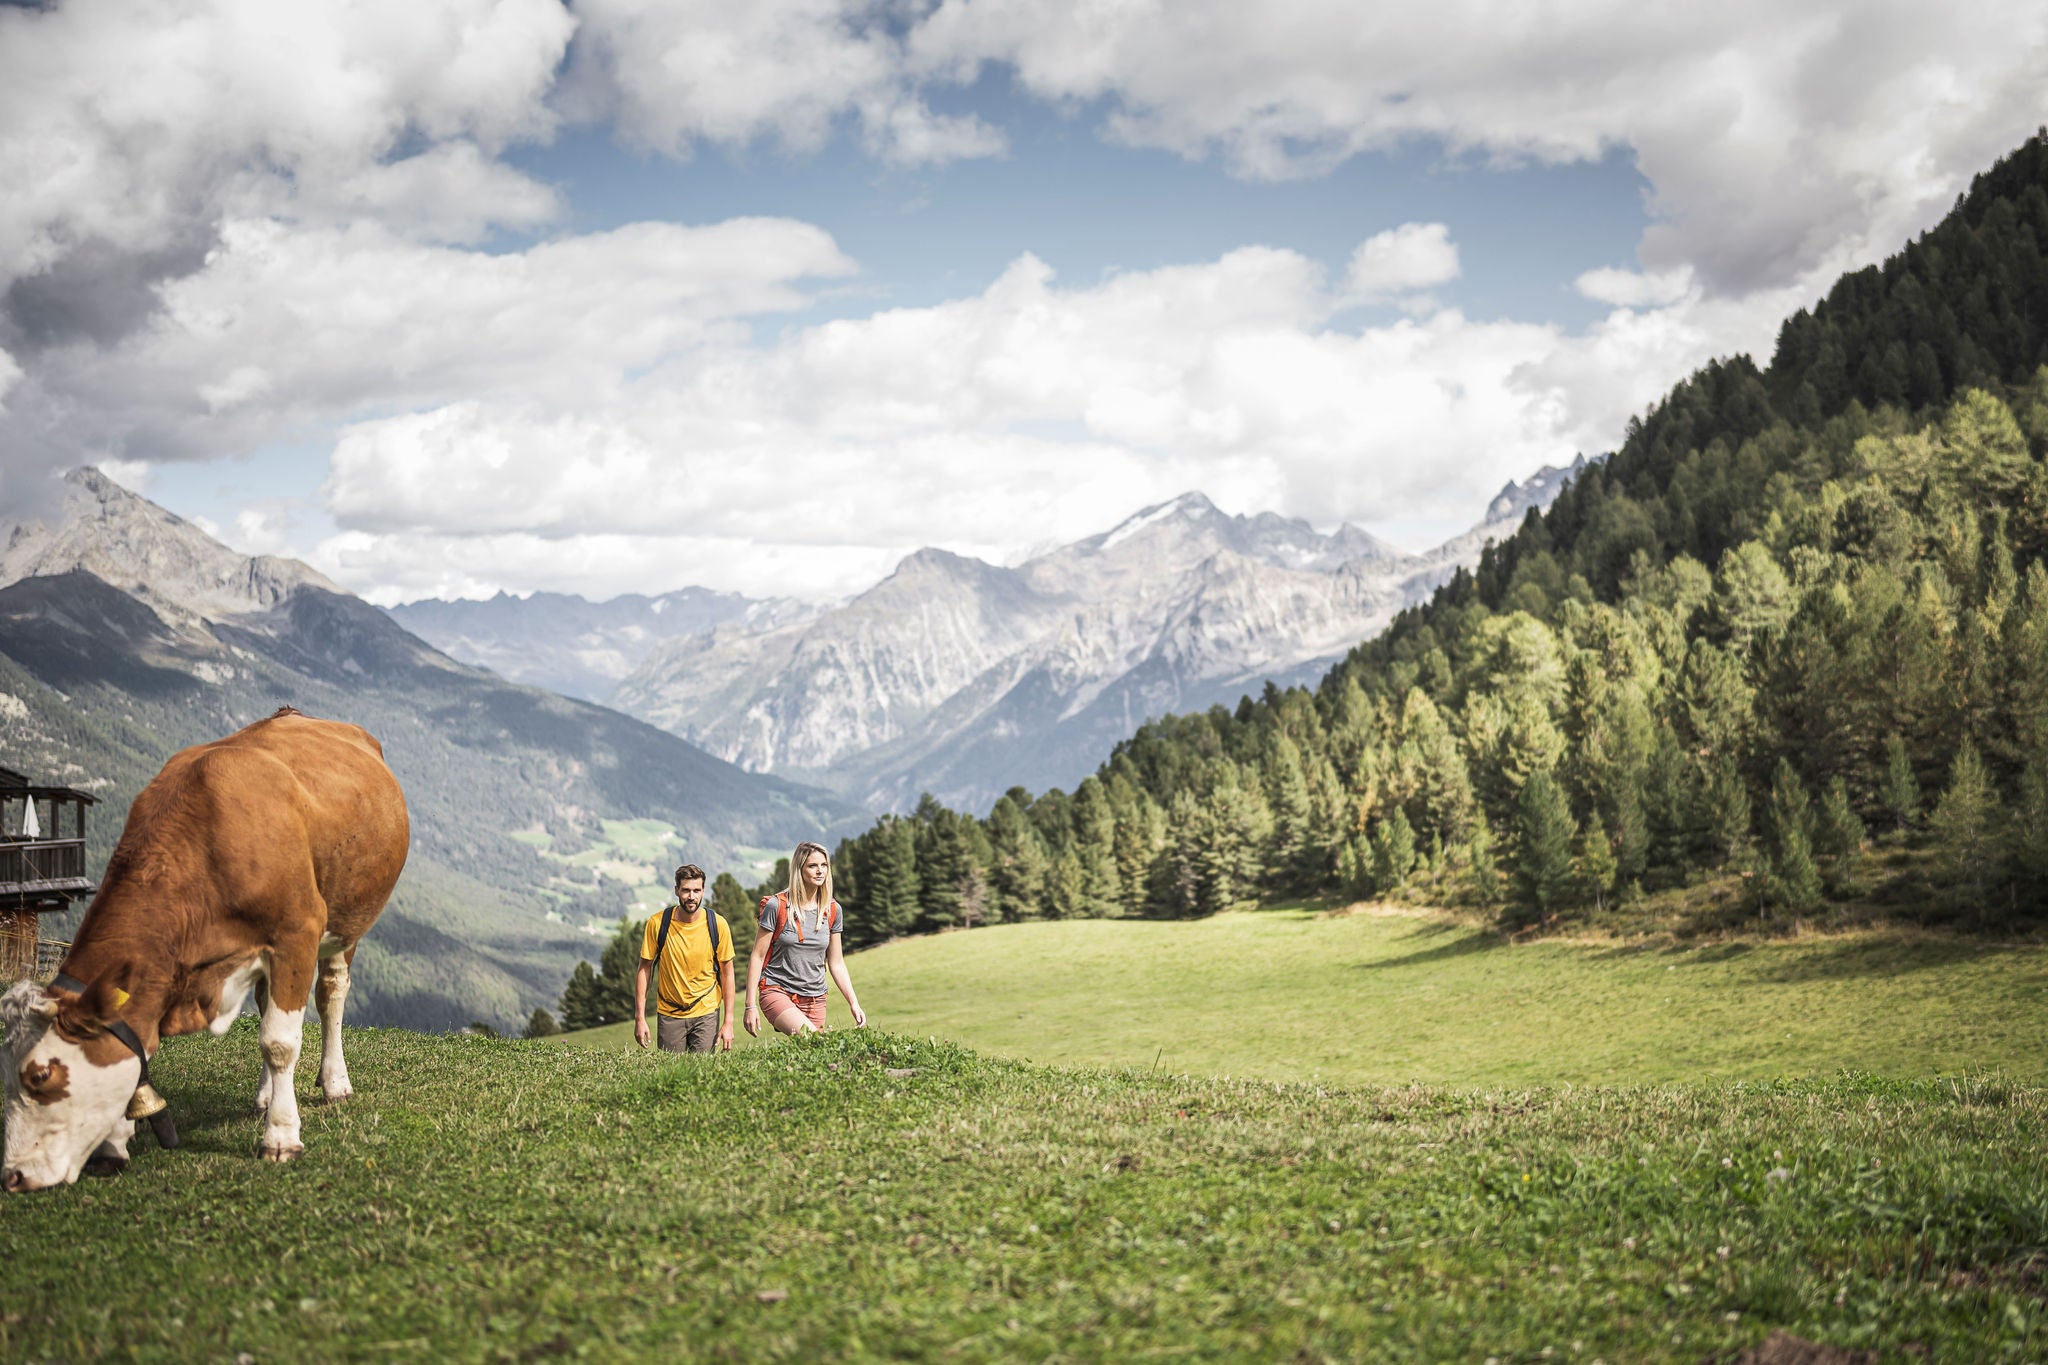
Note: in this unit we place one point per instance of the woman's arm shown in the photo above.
(762, 939)
(835, 963)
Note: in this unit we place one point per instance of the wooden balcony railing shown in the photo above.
(41, 865)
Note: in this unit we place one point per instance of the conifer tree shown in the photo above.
(1017, 873)
(1966, 826)
(1792, 878)
(580, 1008)
(1899, 792)
(1544, 830)
(1597, 863)
(1393, 852)
(1354, 868)
(888, 880)
(1100, 892)
(541, 1024)
(943, 855)
(1838, 834)
(1725, 813)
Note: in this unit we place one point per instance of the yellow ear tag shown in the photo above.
(120, 997)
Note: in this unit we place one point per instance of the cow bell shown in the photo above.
(145, 1102)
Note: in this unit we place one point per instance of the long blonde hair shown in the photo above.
(797, 892)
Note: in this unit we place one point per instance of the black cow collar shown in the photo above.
(160, 1121)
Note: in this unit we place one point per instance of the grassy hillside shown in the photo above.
(866, 1196)
(1381, 999)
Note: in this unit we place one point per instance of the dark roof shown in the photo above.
(14, 784)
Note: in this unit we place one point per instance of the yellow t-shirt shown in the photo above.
(688, 983)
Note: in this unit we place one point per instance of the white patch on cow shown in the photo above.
(49, 1143)
(234, 991)
(332, 996)
(281, 1033)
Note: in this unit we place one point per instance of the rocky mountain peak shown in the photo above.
(123, 539)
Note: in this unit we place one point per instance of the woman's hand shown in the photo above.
(860, 1016)
(753, 1020)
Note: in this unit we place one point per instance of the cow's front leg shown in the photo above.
(281, 1033)
(331, 994)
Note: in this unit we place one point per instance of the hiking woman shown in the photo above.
(797, 946)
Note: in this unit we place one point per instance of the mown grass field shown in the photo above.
(1368, 999)
(867, 1196)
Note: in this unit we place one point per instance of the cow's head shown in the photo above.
(68, 1081)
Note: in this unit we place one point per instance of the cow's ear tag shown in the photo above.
(120, 997)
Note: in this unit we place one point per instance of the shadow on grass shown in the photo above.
(1864, 958)
(1455, 941)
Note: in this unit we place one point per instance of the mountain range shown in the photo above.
(127, 633)
(963, 678)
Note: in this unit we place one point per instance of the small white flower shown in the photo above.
(1778, 1173)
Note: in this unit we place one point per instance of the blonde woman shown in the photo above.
(796, 947)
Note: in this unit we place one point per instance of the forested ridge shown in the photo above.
(1798, 619)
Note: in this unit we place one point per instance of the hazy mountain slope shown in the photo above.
(104, 688)
(964, 678)
(579, 648)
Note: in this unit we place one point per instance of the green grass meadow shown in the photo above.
(1271, 1136)
(868, 1196)
(1381, 999)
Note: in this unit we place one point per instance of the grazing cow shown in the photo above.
(255, 862)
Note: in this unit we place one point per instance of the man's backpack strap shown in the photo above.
(661, 947)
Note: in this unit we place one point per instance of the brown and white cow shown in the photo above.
(253, 863)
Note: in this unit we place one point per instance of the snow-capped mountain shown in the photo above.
(965, 678)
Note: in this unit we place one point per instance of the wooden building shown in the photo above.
(42, 865)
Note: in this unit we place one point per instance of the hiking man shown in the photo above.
(693, 985)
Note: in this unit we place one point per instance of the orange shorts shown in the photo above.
(786, 1013)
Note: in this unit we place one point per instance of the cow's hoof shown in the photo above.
(337, 1096)
(106, 1165)
(280, 1152)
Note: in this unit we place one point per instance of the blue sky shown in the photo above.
(453, 296)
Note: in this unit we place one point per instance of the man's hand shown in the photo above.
(753, 1021)
(725, 1034)
(640, 1030)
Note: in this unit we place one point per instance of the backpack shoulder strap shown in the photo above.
(660, 947)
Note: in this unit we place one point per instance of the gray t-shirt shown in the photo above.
(799, 966)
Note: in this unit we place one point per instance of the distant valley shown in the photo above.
(964, 678)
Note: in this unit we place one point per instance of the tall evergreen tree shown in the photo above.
(1966, 825)
(1791, 876)
(1393, 852)
(1544, 830)
(1838, 835)
(1597, 863)
(1018, 869)
(1899, 792)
